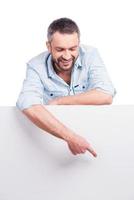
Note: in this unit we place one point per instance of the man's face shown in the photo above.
(64, 49)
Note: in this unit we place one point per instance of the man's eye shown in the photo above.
(73, 49)
(59, 50)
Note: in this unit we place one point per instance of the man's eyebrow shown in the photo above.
(58, 47)
(73, 47)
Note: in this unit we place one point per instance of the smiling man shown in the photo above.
(67, 74)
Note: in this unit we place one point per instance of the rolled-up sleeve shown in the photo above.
(32, 90)
(98, 75)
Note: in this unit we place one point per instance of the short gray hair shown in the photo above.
(62, 25)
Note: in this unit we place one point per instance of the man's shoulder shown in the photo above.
(38, 59)
(86, 49)
(87, 54)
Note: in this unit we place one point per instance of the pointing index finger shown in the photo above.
(92, 151)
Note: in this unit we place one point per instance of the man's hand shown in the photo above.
(78, 145)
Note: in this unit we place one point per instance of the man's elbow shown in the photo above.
(104, 98)
(29, 110)
(108, 100)
(32, 110)
(30, 113)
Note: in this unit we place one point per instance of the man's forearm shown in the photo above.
(92, 97)
(41, 117)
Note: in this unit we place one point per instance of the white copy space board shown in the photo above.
(37, 166)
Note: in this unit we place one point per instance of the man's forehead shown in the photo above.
(58, 34)
(59, 37)
(65, 41)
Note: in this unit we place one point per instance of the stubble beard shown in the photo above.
(62, 64)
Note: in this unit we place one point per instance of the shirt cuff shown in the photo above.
(111, 92)
(28, 102)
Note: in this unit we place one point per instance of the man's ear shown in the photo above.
(48, 46)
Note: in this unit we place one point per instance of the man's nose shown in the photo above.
(66, 55)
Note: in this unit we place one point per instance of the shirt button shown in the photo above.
(83, 86)
(51, 94)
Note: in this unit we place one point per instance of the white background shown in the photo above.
(105, 24)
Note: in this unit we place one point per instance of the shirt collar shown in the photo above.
(50, 69)
(78, 63)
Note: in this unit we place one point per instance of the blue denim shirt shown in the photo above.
(42, 84)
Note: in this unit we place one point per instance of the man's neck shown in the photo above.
(65, 75)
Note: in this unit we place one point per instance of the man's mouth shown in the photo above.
(66, 61)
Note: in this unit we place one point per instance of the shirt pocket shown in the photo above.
(80, 88)
(51, 94)
(54, 94)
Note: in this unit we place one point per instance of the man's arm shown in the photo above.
(92, 97)
(30, 101)
(41, 117)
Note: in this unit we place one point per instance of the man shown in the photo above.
(67, 74)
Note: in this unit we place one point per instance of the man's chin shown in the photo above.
(66, 66)
(62, 66)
